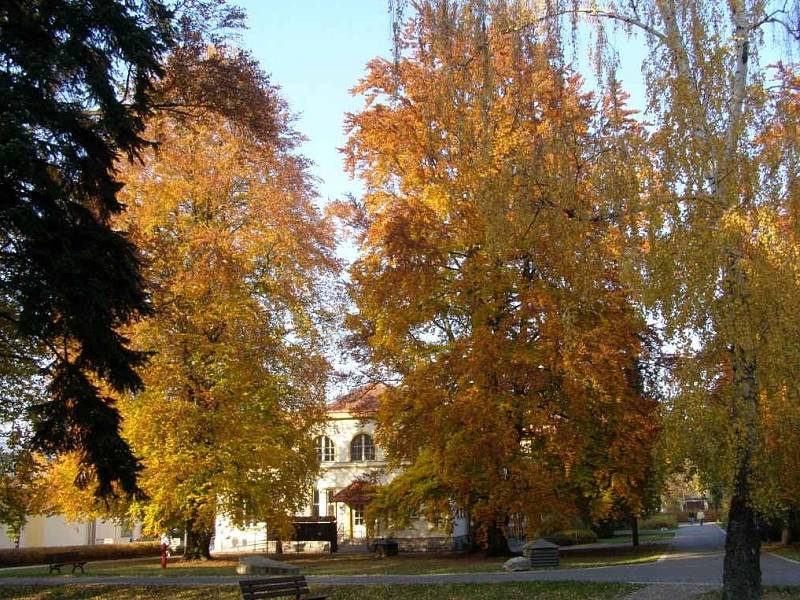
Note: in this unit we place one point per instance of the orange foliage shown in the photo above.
(488, 281)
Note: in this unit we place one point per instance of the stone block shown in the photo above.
(261, 565)
(518, 563)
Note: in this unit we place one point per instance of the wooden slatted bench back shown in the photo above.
(275, 587)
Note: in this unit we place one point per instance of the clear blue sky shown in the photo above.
(316, 50)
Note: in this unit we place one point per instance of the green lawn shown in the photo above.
(792, 551)
(644, 537)
(134, 568)
(609, 557)
(346, 565)
(504, 591)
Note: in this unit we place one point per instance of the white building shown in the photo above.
(348, 456)
(48, 531)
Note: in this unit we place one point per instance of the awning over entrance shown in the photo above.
(358, 493)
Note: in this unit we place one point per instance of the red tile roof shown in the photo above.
(359, 492)
(361, 401)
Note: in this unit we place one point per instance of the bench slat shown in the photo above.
(279, 586)
(276, 587)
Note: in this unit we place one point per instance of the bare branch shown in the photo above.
(598, 13)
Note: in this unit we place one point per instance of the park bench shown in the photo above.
(293, 586)
(66, 558)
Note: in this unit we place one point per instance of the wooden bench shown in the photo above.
(276, 587)
(67, 558)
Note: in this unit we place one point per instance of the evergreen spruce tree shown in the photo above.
(76, 83)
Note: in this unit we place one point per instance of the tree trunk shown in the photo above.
(496, 542)
(786, 535)
(198, 541)
(635, 530)
(742, 574)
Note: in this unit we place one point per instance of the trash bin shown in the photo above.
(385, 548)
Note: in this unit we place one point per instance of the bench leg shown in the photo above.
(78, 567)
(55, 568)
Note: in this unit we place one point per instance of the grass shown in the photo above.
(510, 591)
(792, 551)
(405, 564)
(147, 567)
(610, 557)
(644, 537)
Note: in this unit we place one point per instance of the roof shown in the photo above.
(358, 492)
(361, 401)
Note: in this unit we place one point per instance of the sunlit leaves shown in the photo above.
(488, 281)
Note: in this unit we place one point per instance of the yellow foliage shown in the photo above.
(488, 278)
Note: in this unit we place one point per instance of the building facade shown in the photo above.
(348, 458)
(51, 531)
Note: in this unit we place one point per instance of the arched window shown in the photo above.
(325, 447)
(362, 448)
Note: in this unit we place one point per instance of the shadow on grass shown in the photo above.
(504, 591)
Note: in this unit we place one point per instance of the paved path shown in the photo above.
(696, 563)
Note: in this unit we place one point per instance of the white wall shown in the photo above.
(55, 530)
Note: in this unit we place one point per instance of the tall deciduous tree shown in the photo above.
(488, 280)
(718, 226)
(237, 258)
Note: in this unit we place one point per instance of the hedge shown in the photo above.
(572, 537)
(20, 557)
(667, 521)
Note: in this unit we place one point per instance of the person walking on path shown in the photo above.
(700, 516)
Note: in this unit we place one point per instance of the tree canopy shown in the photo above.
(68, 279)
(712, 242)
(488, 281)
(239, 265)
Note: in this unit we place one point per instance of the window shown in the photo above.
(358, 515)
(362, 448)
(331, 508)
(315, 504)
(325, 451)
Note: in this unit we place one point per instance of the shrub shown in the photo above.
(20, 557)
(658, 521)
(605, 529)
(572, 537)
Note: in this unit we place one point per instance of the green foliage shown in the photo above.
(21, 490)
(75, 89)
(572, 537)
(659, 521)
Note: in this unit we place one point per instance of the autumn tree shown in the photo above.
(237, 258)
(488, 285)
(716, 242)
